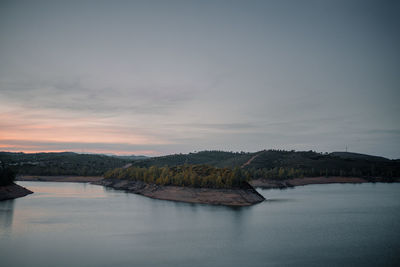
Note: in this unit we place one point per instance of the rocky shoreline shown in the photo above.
(276, 184)
(59, 178)
(229, 197)
(12, 191)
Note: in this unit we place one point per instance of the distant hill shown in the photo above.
(352, 155)
(213, 158)
(262, 164)
(130, 157)
(286, 163)
(64, 163)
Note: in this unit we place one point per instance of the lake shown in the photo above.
(78, 224)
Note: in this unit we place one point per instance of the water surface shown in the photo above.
(73, 224)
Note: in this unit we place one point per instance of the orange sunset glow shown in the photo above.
(20, 133)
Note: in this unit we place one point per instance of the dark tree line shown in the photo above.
(185, 175)
(7, 176)
(64, 163)
(215, 158)
(282, 173)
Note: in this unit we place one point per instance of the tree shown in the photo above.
(281, 173)
(218, 182)
(237, 177)
(7, 176)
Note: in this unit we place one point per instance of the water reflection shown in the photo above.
(274, 200)
(239, 221)
(64, 190)
(6, 216)
(291, 228)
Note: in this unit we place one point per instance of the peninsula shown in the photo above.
(8, 189)
(12, 191)
(186, 183)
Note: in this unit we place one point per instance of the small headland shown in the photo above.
(12, 191)
(8, 189)
(188, 183)
(228, 197)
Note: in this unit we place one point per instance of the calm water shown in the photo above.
(71, 224)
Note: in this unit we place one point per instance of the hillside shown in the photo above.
(290, 164)
(274, 164)
(286, 164)
(64, 163)
(352, 155)
(213, 158)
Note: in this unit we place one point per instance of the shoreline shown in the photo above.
(59, 178)
(289, 183)
(227, 197)
(13, 191)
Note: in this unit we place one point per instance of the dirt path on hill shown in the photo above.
(250, 160)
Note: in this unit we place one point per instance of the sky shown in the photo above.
(163, 77)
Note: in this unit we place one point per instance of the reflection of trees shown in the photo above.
(6, 215)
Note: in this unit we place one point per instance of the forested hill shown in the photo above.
(263, 164)
(286, 164)
(64, 163)
(213, 158)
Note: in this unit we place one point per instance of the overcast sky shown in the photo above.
(161, 77)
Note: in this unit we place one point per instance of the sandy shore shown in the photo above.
(78, 179)
(228, 197)
(13, 191)
(305, 181)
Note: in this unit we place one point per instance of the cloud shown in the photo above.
(191, 75)
(392, 132)
(217, 126)
(78, 96)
